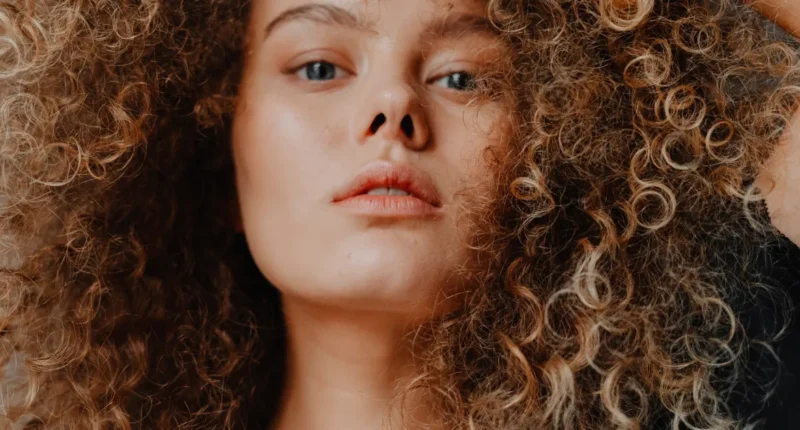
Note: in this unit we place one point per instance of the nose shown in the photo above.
(396, 113)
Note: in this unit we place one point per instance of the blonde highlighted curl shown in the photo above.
(617, 249)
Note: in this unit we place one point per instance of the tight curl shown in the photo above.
(616, 248)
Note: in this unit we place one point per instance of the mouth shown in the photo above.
(384, 188)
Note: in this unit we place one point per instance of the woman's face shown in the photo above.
(339, 88)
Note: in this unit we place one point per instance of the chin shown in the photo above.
(390, 270)
(385, 278)
(367, 279)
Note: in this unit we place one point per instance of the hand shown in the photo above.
(779, 179)
(783, 167)
(786, 13)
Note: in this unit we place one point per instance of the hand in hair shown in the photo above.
(780, 176)
(785, 13)
(780, 179)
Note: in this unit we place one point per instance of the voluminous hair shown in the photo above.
(617, 247)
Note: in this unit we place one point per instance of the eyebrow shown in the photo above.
(322, 13)
(451, 26)
(457, 25)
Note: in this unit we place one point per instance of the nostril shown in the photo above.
(407, 125)
(377, 123)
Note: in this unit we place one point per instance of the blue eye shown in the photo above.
(318, 71)
(459, 81)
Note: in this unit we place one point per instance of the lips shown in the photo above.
(387, 174)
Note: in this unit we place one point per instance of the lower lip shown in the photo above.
(389, 206)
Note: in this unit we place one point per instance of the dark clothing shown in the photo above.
(783, 410)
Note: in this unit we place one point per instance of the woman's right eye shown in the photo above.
(319, 71)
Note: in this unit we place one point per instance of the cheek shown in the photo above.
(281, 152)
(470, 137)
(283, 156)
(466, 143)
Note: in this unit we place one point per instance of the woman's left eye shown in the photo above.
(459, 81)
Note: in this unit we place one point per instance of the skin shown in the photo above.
(785, 13)
(351, 285)
(780, 181)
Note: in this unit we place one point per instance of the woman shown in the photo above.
(457, 214)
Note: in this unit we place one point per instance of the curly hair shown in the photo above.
(616, 249)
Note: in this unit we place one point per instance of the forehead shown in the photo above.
(275, 6)
(380, 13)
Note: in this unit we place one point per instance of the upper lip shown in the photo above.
(387, 174)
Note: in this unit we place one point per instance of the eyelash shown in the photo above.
(304, 68)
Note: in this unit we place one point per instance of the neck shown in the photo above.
(343, 368)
